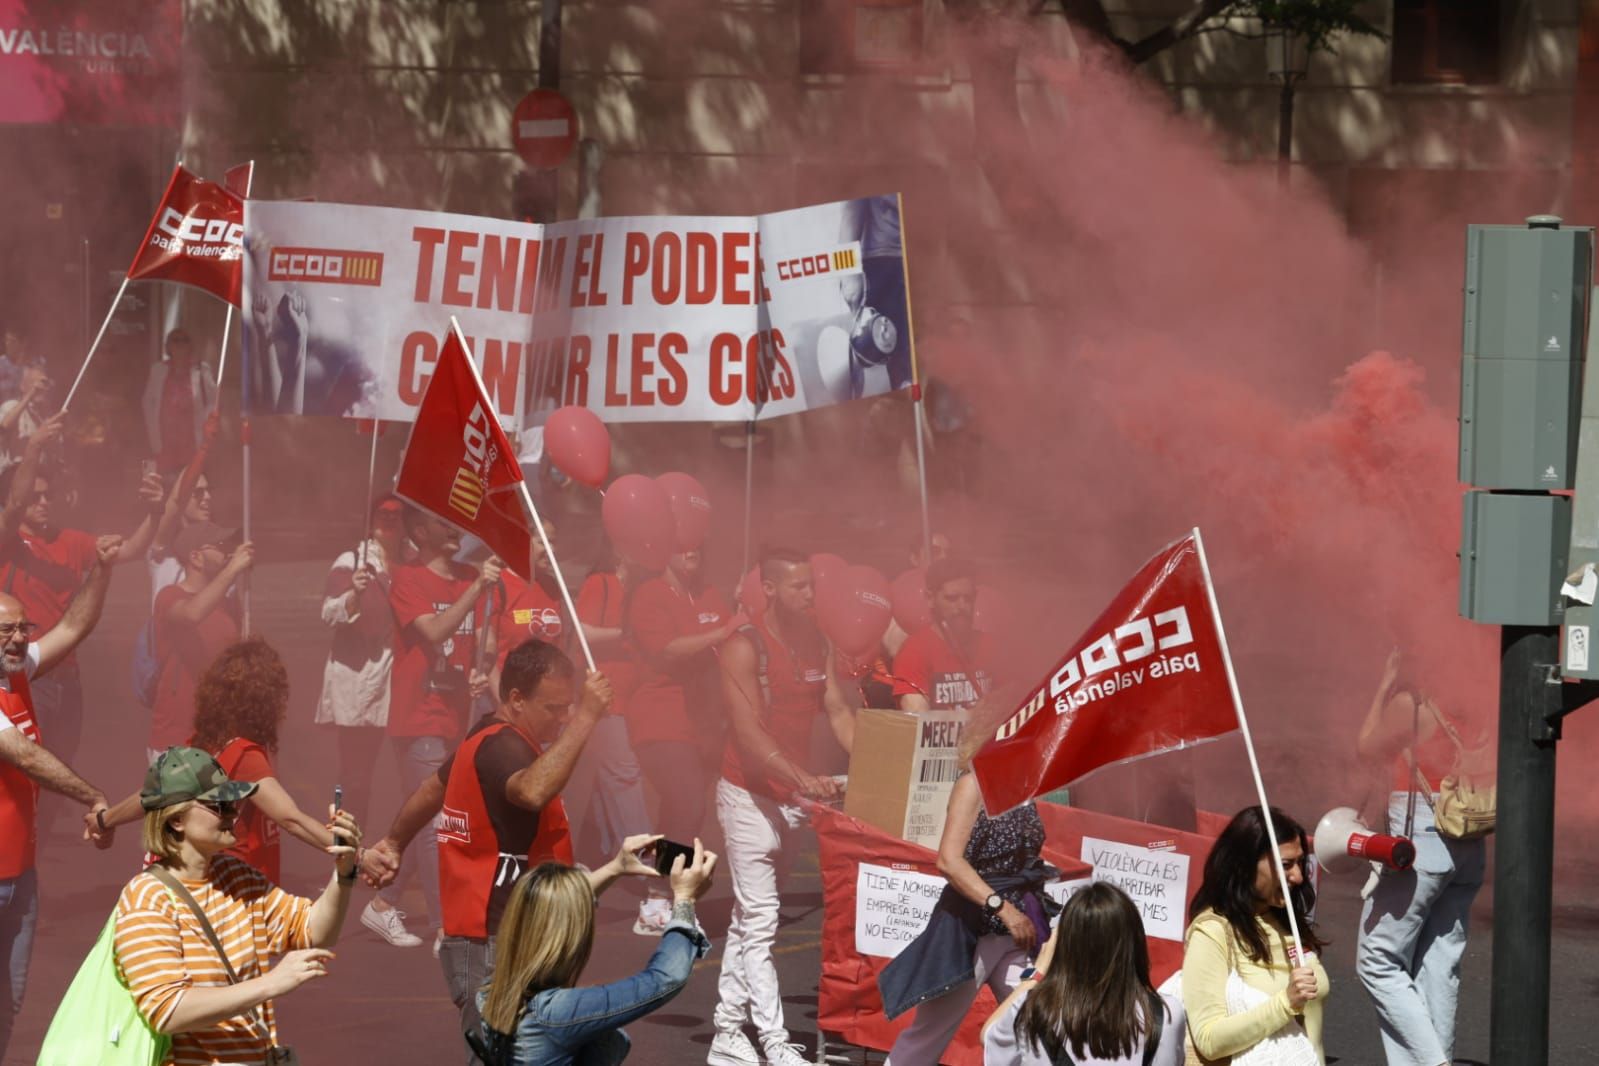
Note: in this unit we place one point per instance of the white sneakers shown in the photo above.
(390, 925)
(734, 1049)
(653, 916)
(778, 1053)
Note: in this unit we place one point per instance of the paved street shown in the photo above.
(381, 1004)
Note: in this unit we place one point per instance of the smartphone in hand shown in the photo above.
(667, 851)
(338, 804)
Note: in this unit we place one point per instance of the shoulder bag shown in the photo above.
(1468, 802)
(98, 1020)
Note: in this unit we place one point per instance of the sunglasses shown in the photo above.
(220, 808)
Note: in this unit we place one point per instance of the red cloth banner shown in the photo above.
(196, 238)
(460, 465)
(854, 855)
(1148, 676)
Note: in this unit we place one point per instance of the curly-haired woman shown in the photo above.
(240, 700)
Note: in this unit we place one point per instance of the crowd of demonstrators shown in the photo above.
(1244, 984)
(778, 677)
(26, 765)
(1413, 925)
(1088, 1000)
(434, 600)
(496, 807)
(195, 929)
(360, 664)
(947, 664)
(988, 921)
(533, 1012)
(179, 395)
(42, 563)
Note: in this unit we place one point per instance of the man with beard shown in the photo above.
(25, 765)
(430, 691)
(778, 675)
(946, 665)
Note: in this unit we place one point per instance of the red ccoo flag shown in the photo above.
(460, 465)
(196, 238)
(1150, 675)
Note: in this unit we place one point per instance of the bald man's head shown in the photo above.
(15, 633)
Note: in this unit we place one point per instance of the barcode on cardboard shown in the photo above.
(938, 771)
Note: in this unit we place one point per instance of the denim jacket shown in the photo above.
(945, 953)
(583, 1026)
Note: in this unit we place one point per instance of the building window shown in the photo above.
(857, 36)
(1446, 42)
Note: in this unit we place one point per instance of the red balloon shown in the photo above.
(638, 519)
(579, 445)
(824, 567)
(910, 601)
(854, 609)
(691, 508)
(751, 596)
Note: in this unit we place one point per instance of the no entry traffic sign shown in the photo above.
(544, 129)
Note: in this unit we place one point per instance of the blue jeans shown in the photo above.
(419, 758)
(19, 912)
(583, 1026)
(618, 797)
(467, 964)
(1412, 936)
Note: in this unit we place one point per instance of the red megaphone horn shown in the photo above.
(1341, 837)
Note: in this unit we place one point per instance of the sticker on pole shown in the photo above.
(544, 129)
(1577, 649)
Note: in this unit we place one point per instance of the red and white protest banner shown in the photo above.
(196, 238)
(1149, 675)
(460, 465)
(638, 319)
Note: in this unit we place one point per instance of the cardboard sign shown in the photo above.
(892, 908)
(1156, 881)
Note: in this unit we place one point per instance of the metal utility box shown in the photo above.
(1526, 298)
(1513, 552)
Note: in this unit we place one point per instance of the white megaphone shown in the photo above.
(1342, 836)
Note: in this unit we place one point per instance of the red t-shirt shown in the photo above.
(428, 692)
(599, 603)
(44, 574)
(245, 760)
(658, 710)
(527, 610)
(796, 682)
(927, 666)
(184, 652)
(19, 793)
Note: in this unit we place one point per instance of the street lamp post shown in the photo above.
(1287, 59)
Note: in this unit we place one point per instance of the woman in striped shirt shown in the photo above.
(179, 981)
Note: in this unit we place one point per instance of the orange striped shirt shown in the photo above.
(162, 952)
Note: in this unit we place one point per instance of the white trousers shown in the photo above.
(999, 964)
(753, 827)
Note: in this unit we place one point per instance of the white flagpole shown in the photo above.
(371, 478)
(1249, 746)
(533, 512)
(98, 337)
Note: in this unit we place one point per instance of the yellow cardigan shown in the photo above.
(1210, 953)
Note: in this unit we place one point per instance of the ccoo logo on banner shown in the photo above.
(196, 238)
(1147, 677)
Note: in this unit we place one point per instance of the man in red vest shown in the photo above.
(25, 765)
(498, 806)
(778, 675)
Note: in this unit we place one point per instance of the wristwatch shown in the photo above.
(993, 904)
